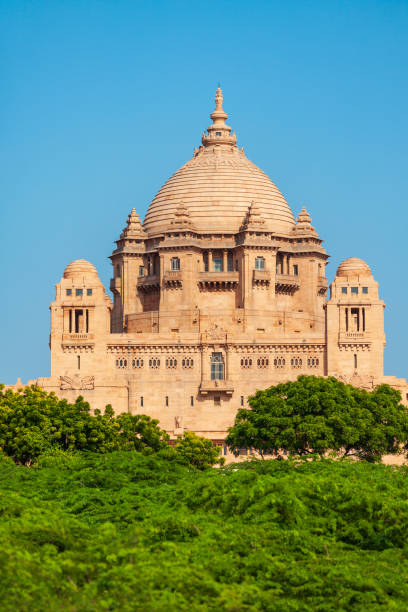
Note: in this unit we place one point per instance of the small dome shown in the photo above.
(353, 266)
(80, 267)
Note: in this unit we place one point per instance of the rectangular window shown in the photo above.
(346, 319)
(354, 290)
(89, 292)
(259, 263)
(79, 321)
(141, 270)
(68, 292)
(78, 292)
(86, 320)
(70, 321)
(79, 362)
(365, 290)
(225, 448)
(355, 362)
(217, 262)
(355, 319)
(175, 263)
(230, 262)
(167, 400)
(344, 289)
(141, 401)
(236, 266)
(242, 400)
(363, 309)
(217, 367)
(191, 400)
(217, 400)
(296, 270)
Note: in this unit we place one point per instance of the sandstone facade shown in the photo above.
(219, 292)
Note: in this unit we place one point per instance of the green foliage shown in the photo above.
(198, 451)
(129, 531)
(34, 422)
(317, 415)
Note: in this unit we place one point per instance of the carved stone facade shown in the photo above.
(219, 292)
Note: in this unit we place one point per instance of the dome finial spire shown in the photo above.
(219, 132)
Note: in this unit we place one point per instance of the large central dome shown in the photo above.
(217, 186)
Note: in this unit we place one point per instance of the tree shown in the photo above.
(33, 422)
(317, 415)
(139, 432)
(198, 451)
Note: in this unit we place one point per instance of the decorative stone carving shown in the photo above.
(77, 383)
(215, 334)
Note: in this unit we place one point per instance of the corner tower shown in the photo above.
(355, 322)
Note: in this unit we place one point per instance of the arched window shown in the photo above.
(217, 366)
(259, 263)
(175, 263)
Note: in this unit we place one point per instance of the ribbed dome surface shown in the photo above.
(80, 267)
(217, 187)
(353, 266)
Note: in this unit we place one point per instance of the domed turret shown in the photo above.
(353, 266)
(79, 268)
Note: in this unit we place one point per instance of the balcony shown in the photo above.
(216, 386)
(80, 337)
(218, 281)
(261, 277)
(286, 283)
(172, 278)
(148, 283)
(354, 337)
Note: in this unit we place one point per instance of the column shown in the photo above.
(224, 261)
(210, 261)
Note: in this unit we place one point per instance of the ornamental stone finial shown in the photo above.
(219, 133)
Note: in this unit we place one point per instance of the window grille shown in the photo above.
(217, 366)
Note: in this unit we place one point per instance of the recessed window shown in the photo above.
(365, 289)
(242, 400)
(141, 401)
(69, 292)
(89, 292)
(175, 263)
(141, 270)
(217, 262)
(137, 363)
(218, 133)
(191, 400)
(259, 263)
(296, 270)
(344, 289)
(78, 292)
(217, 400)
(354, 290)
(167, 400)
(217, 366)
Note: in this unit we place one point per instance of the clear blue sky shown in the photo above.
(102, 101)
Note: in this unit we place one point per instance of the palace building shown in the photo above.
(218, 293)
